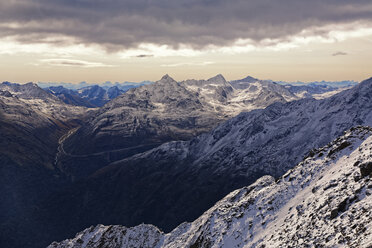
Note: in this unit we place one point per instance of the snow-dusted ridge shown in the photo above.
(324, 201)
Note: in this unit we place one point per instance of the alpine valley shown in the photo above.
(292, 164)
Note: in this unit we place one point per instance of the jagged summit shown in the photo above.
(324, 201)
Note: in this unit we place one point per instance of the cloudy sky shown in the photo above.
(135, 40)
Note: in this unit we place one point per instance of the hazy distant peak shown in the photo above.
(217, 79)
(94, 86)
(32, 84)
(166, 78)
(249, 79)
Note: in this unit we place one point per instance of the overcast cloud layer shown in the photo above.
(127, 23)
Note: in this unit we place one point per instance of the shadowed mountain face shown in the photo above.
(179, 180)
(31, 122)
(325, 200)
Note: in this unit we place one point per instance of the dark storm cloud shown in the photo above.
(121, 24)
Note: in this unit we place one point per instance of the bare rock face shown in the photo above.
(323, 201)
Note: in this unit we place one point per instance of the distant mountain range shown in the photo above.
(324, 201)
(90, 96)
(128, 85)
(122, 86)
(333, 84)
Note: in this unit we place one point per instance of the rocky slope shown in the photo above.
(178, 181)
(325, 201)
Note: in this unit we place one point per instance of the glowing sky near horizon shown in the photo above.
(98, 41)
